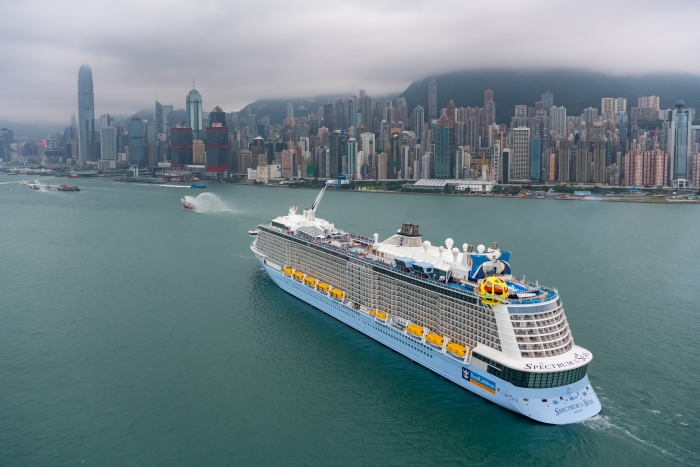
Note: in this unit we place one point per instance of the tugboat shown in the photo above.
(187, 205)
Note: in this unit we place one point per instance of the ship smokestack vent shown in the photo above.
(494, 246)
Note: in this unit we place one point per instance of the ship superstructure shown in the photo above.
(461, 313)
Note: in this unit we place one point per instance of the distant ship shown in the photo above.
(74, 175)
(461, 314)
(68, 188)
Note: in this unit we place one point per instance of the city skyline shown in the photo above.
(145, 60)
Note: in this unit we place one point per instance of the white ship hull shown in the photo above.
(558, 406)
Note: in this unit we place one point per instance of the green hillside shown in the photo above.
(574, 89)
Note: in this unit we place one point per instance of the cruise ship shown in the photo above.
(462, 314)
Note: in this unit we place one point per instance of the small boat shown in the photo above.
(337, 294)
(287, 271)
(175, 180)
(187, 205)
(198, 185)
(74, 175)
(435, 339)
(298, 275)
(378, 314)
(23, 182)
(33, 187)
(68, 188)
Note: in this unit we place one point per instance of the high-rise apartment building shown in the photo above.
(520, 111)
(432, 99)
(557, 121)
(590, 115)
(645, 168)
(194, 113)
(519, 164)
(86, 116)
(652, 102)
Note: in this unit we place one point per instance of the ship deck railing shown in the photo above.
(545, 294)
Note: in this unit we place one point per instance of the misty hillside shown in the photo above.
(573, 89)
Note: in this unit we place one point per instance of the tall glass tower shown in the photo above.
(679, 144)
(194, 113)
(86, 116)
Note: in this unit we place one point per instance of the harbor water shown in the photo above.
(135, 332)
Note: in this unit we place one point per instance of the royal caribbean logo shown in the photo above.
(478, 380)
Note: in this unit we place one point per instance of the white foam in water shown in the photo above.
(208, 202)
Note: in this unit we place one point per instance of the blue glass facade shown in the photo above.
(86, 116)
(194, 114)
(136, 139)
(443, 139)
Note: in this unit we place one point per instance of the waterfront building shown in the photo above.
(245, 161)
(564, 161)
(443, 148)
(351, 165)
(217, 148)
(108, 138)
(86, 116)
(199, 152)
(137, 139)
(432, 99)
(645, 168)
(520, 156)
(367, 144)
(194, 113)
(181, 140)
(694, 169)
(394, 156)
(679, 144)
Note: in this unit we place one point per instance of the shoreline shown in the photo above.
(642, 200)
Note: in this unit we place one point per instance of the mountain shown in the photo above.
(28, 131)
(574, 89)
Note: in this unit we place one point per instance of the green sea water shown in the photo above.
(134, 332)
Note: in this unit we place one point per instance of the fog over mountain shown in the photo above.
(239, 52)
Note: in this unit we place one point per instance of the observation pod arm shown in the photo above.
(312, 213)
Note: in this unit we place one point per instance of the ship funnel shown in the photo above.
(494, 246)
(470, 248)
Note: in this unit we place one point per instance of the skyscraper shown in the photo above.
(443, 148)
(352, 157)
(194, 113)
(679, 145)
(136, 139)
(86, 116)
(290, 110)
(328, 121)
(108, 138)
(548, 99)
(432, 99)
(163, 118)
(417, 121)
(557, 121)
(366, 110)
(519, 164)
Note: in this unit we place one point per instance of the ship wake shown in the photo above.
(208, 203)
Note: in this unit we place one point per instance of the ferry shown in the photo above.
(461, 314)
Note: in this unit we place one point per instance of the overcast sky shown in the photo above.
(238, 52)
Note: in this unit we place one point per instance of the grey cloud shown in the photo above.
(242, 51)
